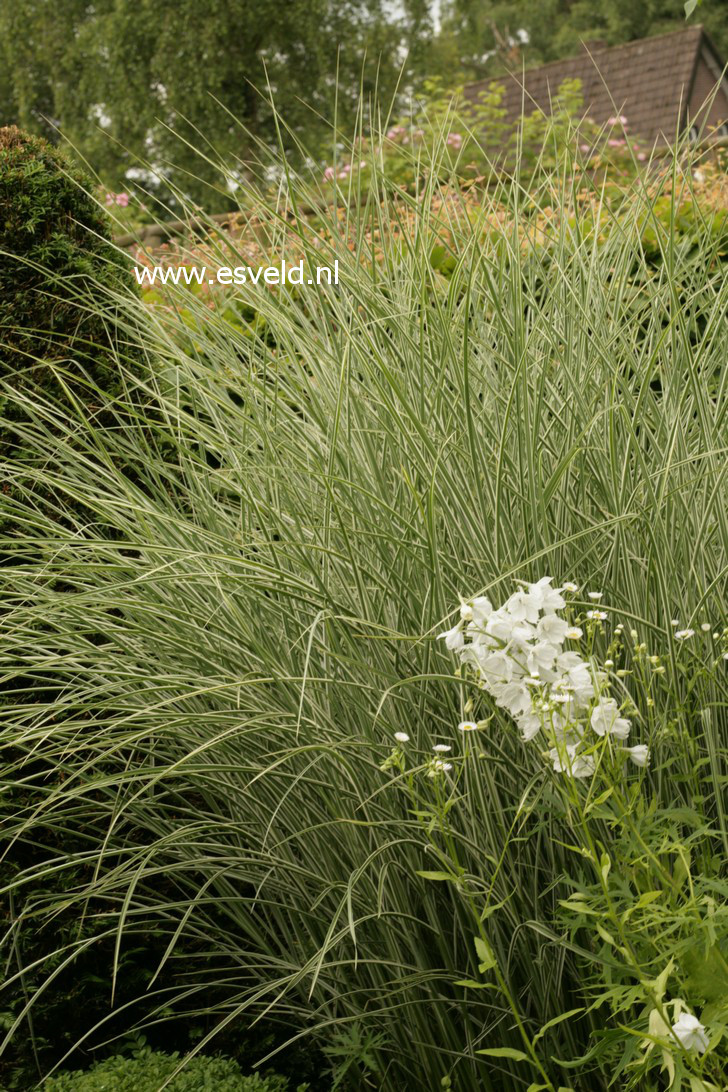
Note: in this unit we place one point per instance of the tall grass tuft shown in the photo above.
(205, 660)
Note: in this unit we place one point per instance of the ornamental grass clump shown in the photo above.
(206, 670)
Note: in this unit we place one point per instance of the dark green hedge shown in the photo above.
(56, 257)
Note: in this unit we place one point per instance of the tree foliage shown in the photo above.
(124, 78)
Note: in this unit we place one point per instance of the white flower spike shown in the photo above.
(517, 655)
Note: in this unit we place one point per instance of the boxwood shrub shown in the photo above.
(148, 1071)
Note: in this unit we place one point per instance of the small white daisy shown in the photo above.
(596, 595)
(574, 633)
(683, 634)
(437, 766)
(401, 737)
(442, 748)
(467, 726)
(568, 586)
(596, 615)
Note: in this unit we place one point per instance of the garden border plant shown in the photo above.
(269, 586)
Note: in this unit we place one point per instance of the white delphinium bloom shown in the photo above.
(640, 754)
(582, 684)
(401, 737)
(454, 638)
(690, 1033)
(482, 610)
(542, 657)
(529, 726)
(547, 598)
(684, 634)
(552, 628)
(497, 668)
(566, 760)
(516, 698)
(500, 625)
(516, 653)
(442, 748)
(523, 606)
(569, 586)
(605, 720)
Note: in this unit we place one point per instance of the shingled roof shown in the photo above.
(653, 81)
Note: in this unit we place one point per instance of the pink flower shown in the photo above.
(109, 198)
(454, 140)
(642, 157)
(122, 199)
(396, 132)
(583, 147)
(616, 143)
(329, 174)
(611, 121)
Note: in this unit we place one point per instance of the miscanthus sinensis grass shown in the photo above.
(219, 611)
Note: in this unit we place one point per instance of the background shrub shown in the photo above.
(55, 247)
(148, 1070)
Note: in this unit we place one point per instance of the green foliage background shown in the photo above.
(118, 76)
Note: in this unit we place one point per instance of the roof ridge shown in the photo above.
(589, 54)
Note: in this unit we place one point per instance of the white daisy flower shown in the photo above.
(401, 737)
